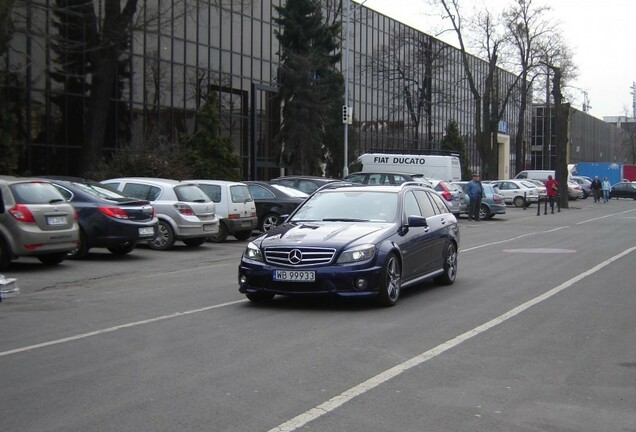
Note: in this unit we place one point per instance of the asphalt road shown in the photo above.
(537, 334)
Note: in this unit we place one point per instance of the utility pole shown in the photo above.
(348, 117)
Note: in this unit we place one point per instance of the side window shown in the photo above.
(411, 208)
(428, 208)
(141, 191)
(260, 192)
(307, 186)
(286, 182)
(65, 192)
(439, 203)
(356, 178)
(399, 179)
(375, 179)
(213, 191)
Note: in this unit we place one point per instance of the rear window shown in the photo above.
(240, 194)
(35, 193)
(190, 193)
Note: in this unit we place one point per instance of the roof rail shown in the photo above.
(336, 185)
(419, 152)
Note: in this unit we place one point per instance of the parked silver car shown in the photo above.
(35, 220)
(184, 211)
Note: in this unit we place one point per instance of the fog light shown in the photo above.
(242, 279)
(360, 284)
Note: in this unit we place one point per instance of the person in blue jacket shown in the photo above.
(474, 191)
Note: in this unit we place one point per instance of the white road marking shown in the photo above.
(604, 216)
(346, 396)
(119, 327)
(540, 250)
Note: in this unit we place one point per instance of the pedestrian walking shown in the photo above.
(474, 191)
(606, 186)
(552, 190)
(596, 189)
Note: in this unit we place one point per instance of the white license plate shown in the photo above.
(210, 227)
(294, 275)
(145, 231)
(56, 220)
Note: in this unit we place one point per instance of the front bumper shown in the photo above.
(340, 280)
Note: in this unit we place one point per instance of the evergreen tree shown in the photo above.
(210, 155)
(453, 141)
(308, 58)
(8, 125)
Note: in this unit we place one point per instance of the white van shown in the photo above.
(538, 174)
(234, 206)
(431, 166)
(535, 175)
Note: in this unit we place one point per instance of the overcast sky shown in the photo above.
(601, 33)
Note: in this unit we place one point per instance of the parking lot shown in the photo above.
(536, 334)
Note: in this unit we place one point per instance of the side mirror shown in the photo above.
(417, 221)
(282, 219)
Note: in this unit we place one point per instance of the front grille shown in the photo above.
(297, 257)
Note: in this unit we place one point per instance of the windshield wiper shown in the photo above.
(56, 200)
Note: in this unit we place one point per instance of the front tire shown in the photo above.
(164, 238)
(269, 221)
(390, 282)
(450, 266)
(518, 201)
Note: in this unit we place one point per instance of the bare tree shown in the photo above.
(489, 95)
(529, 28)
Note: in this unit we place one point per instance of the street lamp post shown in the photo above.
(346, 121)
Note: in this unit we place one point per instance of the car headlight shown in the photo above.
(357, 254)
(253, 252)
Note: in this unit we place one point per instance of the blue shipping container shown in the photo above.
(613, 170)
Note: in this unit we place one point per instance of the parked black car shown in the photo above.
(623, 190)
(386, 178)
(307, 184)
(355, 241)
(106, 218)
(273, 201)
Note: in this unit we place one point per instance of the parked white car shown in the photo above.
(517, 192)
(234, 206)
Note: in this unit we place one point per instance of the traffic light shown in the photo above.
(347, 114)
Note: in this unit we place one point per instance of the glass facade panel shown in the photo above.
(188, 48)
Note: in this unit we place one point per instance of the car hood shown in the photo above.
(328, 234)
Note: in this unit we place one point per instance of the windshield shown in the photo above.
(99, 190)
(291, 191)
(355, 206)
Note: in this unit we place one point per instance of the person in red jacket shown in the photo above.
(552, 189)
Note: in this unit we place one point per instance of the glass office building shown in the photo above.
(404, 85)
